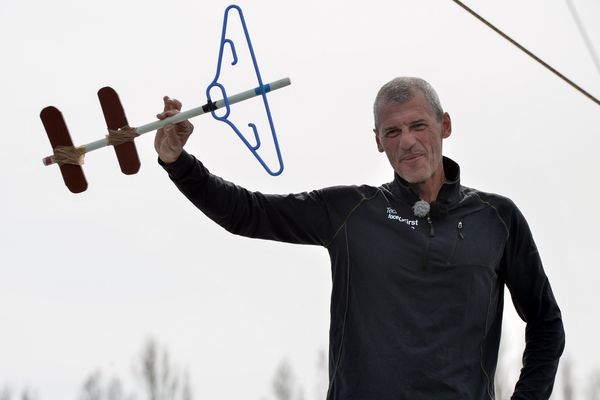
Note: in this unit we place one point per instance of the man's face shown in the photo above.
(411, 137)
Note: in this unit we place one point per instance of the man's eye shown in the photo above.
(392, 133)
(420, 127)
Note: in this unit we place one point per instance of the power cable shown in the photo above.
(584, 35)
(529, 53)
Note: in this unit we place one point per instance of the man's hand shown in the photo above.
(170, 139)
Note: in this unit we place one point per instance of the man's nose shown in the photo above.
(407, 140)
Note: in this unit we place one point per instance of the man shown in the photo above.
(419, 264)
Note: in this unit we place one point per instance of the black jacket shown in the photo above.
(416, 303)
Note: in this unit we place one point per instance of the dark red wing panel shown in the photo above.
(115, 118)
(57, 131)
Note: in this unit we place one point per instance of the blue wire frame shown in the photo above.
(262, 90)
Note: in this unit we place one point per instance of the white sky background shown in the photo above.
(85, 279)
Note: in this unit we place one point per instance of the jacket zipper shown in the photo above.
(461, 236)
(428, 240)
(431, 230)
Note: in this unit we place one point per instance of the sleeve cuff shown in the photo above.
(179, 167)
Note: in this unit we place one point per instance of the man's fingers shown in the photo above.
(169, 140)
(186, 126)
(175, 104)
(167, 103)
(167, 113)
(171, 104)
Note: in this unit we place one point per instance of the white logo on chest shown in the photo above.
(393, 214)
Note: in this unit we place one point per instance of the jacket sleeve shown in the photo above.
(535, 303)
(295, 218)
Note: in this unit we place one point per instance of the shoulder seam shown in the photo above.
(475, 193)
(337, 231)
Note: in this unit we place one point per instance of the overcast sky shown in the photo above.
(85, 279)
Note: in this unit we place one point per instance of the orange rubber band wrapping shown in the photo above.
(64, 155)
(121, 135)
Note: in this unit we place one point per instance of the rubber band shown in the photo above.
(122, 135)
(69, 155)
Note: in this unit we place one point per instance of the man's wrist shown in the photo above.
(180, 167)
(169, 159)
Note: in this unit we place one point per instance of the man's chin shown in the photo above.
(412, 179)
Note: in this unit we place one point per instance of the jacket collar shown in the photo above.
(449, 192)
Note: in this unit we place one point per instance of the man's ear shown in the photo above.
(446, 125)
(379, 146)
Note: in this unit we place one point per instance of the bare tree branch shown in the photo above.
(159, 376)
(283, 381)
(92, 387)
(322, 378)
(594, 386)
(5, 393)
(567, 380)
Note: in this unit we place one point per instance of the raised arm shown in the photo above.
(296, 218)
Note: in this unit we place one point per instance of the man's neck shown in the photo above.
(428, 190)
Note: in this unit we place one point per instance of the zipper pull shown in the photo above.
(460, 234)
(431, 230)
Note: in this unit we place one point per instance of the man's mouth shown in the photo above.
(410, 158)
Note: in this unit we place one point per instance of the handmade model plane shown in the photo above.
(121, 136)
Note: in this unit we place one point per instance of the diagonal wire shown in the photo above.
(529, 53)
(584, 35)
